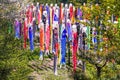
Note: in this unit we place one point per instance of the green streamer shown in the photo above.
(88, 36)
(119, 22)
(9, 28)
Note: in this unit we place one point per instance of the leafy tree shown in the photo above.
(13, 59)
(110, 35)
(99, 17)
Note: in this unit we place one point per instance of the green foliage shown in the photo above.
(47, 1)
(13, 59)
(111, 31)
(99, 59)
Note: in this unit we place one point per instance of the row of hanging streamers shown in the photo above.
(56, 26)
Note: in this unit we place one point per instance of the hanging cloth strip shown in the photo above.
(69, 30)
(31, 38)
(9, 27)
(74, 51)
(119, 22)
(51, 27)
(88, 36)
(47, 33)
(63, 46)
(17, 29)
(74, 47)
(25, 33)
(41, 26)
(55, 48)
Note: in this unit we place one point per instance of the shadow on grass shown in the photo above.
(80, 76)
(33, 55)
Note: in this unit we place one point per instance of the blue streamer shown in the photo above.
(63, 46)
(17, 29)
(31, 38)
(69, 30)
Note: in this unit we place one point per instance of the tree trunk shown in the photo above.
(98, 71)
(69, 53)
(83, 66)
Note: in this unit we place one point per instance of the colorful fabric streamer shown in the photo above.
(25, 30)
(47, 37)
(17, 29)
(74, 47)
(63, 46)
(69, 30)
(41, 26)
(9, 28)
(31, 38)
(88, 36)
(119, 22)
(55, 48)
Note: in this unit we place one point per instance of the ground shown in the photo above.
(44, 71)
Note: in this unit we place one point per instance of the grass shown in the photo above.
(43, 70)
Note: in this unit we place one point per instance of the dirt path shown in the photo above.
(44, 71)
